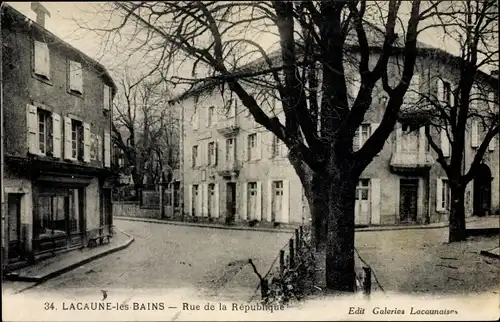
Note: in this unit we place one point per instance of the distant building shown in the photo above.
(234, 169)
(57, 121)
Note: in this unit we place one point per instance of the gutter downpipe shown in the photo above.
(3, 207)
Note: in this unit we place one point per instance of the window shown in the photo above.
(177, 191)
(211, 116)
(252, 146)
(230, 150)
(212, 153)
(41, 60)
(252, 188)
(361, 136)
(44, 131)
(211, 199)
(278, 148)
(362, 190)
(447, 93)
(445, 194)
(194, 156)
(75, 77)
(76, 139)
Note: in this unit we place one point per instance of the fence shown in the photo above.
(295, 263)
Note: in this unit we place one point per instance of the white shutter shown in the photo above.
(46, 60)
(223, 153)
(285, 216)
(216, 201)
(492, 104)
(190, 201)
(439, 197)
(440, 91)
(86, 142)
(475, 133)
(270, 145)
(42, 59)
(422, 143)
(356, 140)
(491, 146)
(67, 139)
(204, 207)
(199, 202)
(258, 146)
(244, 148)
(269, 200)
(375, 196)
(56, 135)
(195, 118)
(99, 148)
(244, 201)
(445, 143)
(207, 113)
(232, 109)
(107, 149)
(32, 129)
(107, 97)
(415, 88)
(258, 203)
(398, 135)
(75, 76)
(373, 128)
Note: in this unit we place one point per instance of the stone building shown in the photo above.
(57, 148)
(234, 169)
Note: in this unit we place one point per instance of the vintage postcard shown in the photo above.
(250, 160)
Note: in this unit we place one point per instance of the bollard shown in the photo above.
(292, 254)
(297, 240)
(367, 281)
(282, 261)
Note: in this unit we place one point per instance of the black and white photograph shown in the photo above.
(333, 160)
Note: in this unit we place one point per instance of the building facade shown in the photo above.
(57, 122)
(235, 170)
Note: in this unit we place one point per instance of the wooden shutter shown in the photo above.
(422, 143)
(41, 59)
(270, 142)
(475, 133)
(258, 203)
(204, 205)
(285, 217)
(439, 197)
(445, 143)
(207, 113)
(356, 141)
(216, 152)
(258, 146)
(216, 201)
(32, 129)
(491, 146)
(107, 98)
(244, 148)
(86, 142)
(75, 76)
(375, 196)
(232, 109)
(99, 148)
(269, 200)
(56, 135)
(244, 201)
(440, 91)
(195, 119)
(373, 128)
(414, 88)
(107, 149)
(190, 201)
(68, 155)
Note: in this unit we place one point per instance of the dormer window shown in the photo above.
(75, 77)
(41, 63)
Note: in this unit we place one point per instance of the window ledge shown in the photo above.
(75, 93)
(42, 79)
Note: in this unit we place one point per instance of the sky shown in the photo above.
(62, 24)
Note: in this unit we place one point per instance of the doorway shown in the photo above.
(362, 203)
(408, 197)
(230, 202)
(277, 201)
(14, 226)
(482, 191)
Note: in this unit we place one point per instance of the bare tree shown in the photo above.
(463, 105)
(307, 77)
(145, 128)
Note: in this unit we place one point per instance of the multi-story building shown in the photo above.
(235, 169)
(57, 121)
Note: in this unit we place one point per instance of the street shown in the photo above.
(208, 262)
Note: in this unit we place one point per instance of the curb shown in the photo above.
(41, 279)
(282, 230)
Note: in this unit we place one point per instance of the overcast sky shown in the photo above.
(62, 24)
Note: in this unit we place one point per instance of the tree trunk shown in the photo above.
(457, 230)
(319, 206)
(340, 275)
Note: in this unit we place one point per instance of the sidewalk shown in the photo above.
(65, 262)
(472, 223)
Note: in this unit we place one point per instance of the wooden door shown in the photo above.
(408, 196)
(14, 226)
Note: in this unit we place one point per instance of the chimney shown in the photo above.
(41, 12)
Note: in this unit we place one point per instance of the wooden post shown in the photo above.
(297, 240)
(282, 261)
(367, 281)
(292, 253)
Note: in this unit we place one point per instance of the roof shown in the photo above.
(21, 18)
(375, 37)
